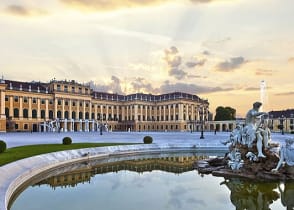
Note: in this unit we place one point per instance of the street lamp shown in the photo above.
(202, 123)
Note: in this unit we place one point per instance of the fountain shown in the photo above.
(252, 153)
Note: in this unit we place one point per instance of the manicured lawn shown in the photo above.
(17, 153)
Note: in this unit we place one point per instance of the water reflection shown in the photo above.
(83, 172)
(169, 179)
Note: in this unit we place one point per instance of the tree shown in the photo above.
(225, 113)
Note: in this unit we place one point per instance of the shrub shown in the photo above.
(147, 140)
(292, 132)
(66, 140)
(2, 146)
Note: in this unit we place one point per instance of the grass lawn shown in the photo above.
(17, 153)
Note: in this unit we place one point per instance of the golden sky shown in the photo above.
(220, 50)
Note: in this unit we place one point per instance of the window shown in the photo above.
(59, 102)
(50, 101)
(80, 115)
(73, 103)
(42, 101)
(65, 88)
(6, 98)
(81, 104)
(80, 90)
(73, 89)
(73, 115)
(15, 112)
(50, 114)
(16, 99)
(25, 99)
(66, 103)
(58, 87)
(34, 100)
(93, 116)
(16, 126)
(87, 105)
(66, 114)
(34, 113)
(58, 114)
(25, 126)
(87, 115)
(7, 112)
(25, 113)
(43, 114)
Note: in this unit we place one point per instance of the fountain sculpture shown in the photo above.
(251, 152)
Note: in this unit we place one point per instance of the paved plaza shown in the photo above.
(19, 139)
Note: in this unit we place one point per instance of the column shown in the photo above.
(21, 107)
(136, 112)
(164, 113)
(174, 112)
(30, 107)
(78, 109)
(38, 108)
(81, 125)
(90, 110)
(93, 125)
(3, 105)
(169, 112)
(62, 110)
(95, 112)
(55, 108)
(70, 109)
(72, 125)
(84, 109)
(46, 109)
(10, 106)
(106, 112)
(181, 110)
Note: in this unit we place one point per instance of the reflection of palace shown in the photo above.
(175, 165)
(70, 106)
(246, 194)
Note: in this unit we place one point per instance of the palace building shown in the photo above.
(66, 106)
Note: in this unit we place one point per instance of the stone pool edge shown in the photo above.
(13, 175)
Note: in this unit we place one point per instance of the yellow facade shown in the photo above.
(26, 106)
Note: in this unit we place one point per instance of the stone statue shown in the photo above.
(235, 136)
(235, 162)
(286, 154)
(250, 133)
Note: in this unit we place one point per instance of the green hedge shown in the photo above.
(147, 140)
(66, 140)
(2, 146)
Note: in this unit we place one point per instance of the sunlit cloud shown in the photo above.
(291, 60)
(264, 72)
(22, 11)
(290, 93)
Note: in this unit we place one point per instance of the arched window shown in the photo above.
(43, 114)
(59, 114)
(7, 112)
(15, 112)
(34, 113)
(80, 115)
(73, 115)
(25, 113)
(50, 114)
(87, 115)
(93, 116)
(66, 114)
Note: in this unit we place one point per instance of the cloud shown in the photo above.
(167, 87)
(206, 52)
(174, 61)
(107, 5)
(18, 10)
(114, 86)
(192, 64)
(291, 93)
(291, 60)
(231, 65)
(140, 85)
(264, 72)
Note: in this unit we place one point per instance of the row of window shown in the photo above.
(66, 103)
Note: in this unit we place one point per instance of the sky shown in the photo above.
(220, 50)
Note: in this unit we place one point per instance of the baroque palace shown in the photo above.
(70, 106)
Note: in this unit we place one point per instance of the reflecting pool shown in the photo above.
(165, 181)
